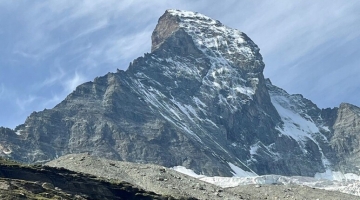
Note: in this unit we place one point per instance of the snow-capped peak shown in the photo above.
(228, 64)
(209, 34)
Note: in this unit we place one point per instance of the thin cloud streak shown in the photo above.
(24, 103)
(126, 47)
(56, 77)
(72, 83)
(299, 28)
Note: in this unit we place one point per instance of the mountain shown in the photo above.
(198, 100)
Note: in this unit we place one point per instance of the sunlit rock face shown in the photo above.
(346, 137)
(198, 100)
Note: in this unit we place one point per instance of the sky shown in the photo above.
(48, 47)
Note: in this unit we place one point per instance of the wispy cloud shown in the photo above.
(50, 102)
(296, 28)
(114, 51)
(127, 47)
(57, 75)
(73, 82)
(24, 103)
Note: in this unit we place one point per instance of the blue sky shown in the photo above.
(47, 48)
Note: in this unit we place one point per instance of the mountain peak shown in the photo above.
(172, 20)
(211, 37)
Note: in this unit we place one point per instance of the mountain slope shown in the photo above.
(198, 100)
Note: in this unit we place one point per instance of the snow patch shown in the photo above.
(254, 148)
(297, 127)
(326, 128)
(238, 172)
(245, 90)
(168, 111)
(186, 171)
(199, 102)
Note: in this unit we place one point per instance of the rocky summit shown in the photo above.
(198, 100)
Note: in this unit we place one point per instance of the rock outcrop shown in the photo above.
(346, 138)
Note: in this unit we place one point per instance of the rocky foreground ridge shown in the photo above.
(198, 100)
(42, 182)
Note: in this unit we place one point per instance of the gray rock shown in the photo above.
(346, 137)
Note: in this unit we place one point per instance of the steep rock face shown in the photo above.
(346, 139)
(308, 128)
(199, 100)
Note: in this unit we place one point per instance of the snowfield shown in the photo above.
(330, 180)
